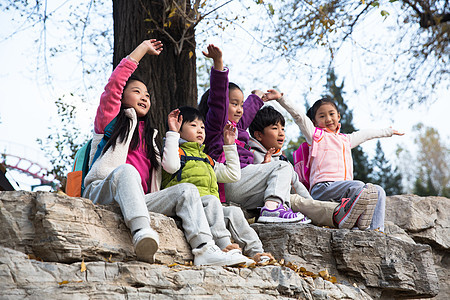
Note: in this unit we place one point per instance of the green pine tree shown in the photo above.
(383, 174)
(361, 165)
(422, 188)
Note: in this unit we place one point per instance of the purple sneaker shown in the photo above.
(281, 214)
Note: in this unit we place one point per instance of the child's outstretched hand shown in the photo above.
(174, 120)
(268, 156)
(154, 47)
(151, 47)
(260, 94)
(215, 53)
(229, 135)
(395, 132)
(273, 95)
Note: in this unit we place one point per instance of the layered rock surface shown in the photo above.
(58, 247)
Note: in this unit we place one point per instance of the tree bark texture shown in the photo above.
(171, 77)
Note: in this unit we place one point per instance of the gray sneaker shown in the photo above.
(365, 219)
(350, 210)
(146, 242)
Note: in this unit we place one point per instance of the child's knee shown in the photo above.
(126, 172)
(381, 192)
(189, 192)
(234, 213)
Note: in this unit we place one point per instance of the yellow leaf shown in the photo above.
(284, 46)
(172, 12)
(191, 54)
(363, 2)
(63, 282)
(324, 274)
(170, 23)
(83, 266)
(188, 25)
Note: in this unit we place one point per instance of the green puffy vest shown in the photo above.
(198, 172)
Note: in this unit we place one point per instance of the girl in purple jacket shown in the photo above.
(261, 185)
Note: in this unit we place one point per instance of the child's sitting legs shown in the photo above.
(183, 200)
(261, 183)
(243, 234)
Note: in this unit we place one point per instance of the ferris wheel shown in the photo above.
(23, 160)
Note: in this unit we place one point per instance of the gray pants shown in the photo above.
(337, 190)
(241, 232)
(215, 216)
(260, 183)
(123, 186)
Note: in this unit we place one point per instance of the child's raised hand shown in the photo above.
(268, 156)
(151, 47)
(215, 53)
(229, 135)
(154, 47)
(260, 94)
(174, 120)
(273, 95)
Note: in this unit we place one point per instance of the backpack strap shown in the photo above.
(185, 158)
(106, 136)
(85, 168)
(243, 145)
(317, 137)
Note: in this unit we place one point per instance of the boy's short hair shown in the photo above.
(189, 114)
(266, 116)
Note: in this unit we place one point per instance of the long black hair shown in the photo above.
(122, 128)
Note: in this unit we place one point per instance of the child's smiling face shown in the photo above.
(272, 136)
(136, 96)
(327, 117)
(236, 105)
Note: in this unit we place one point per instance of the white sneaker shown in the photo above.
(238, 253)
(211, 255)
(263, 259)
(146, 242)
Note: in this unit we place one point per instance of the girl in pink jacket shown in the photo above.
(331, 163)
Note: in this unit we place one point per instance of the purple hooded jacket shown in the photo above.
(217, 118)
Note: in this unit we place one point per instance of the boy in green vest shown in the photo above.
(185, 161)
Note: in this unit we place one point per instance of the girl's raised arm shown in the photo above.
(303, 122)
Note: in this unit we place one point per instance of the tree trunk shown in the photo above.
(171, 77)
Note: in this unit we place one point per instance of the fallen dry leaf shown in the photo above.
(83, 266)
